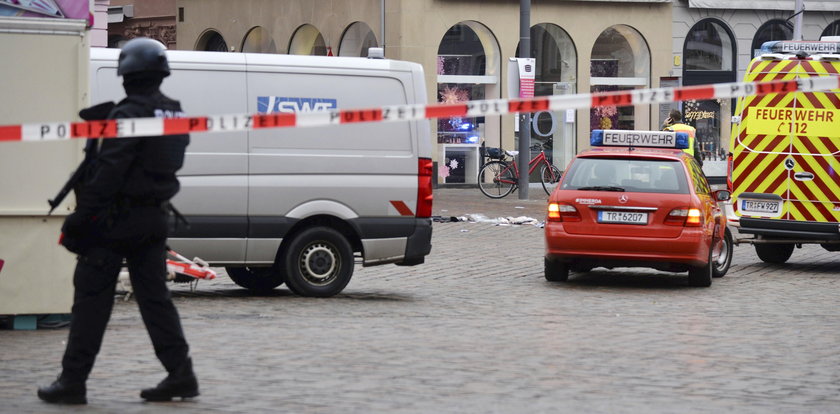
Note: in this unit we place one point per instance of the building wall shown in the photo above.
(152, 18)
(233, 19)
(415, 28)
(744, 25)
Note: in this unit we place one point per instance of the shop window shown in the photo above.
(212, 41)
(356, 40)
(620, 61)
(772, 30)
(307, 40)
(708, 46)
(832, 29)
(709, 53)
(466, 66)
(258, 40)
(556, 74)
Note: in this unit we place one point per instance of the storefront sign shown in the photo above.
(527, 76)
(697, 115)
(521, 76)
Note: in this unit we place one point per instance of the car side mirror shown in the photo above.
(722, 195)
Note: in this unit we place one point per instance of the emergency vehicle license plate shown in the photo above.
(622, 217)
(760, 206)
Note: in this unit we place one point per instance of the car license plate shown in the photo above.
(622, 217)
(757, 206)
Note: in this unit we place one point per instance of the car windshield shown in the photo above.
(622, 174)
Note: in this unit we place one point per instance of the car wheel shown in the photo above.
(774, 253)
(701, 276)
(318, 262)
(556, 271)
(723, 261)
(259, 279)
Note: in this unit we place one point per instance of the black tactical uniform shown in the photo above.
(122, 214)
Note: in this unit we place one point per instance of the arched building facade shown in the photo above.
(580, 46)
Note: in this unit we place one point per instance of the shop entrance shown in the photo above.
(709, 55)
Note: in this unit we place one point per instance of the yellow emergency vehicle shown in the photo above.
(784, 161)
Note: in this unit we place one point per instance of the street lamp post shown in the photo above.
(525, 118)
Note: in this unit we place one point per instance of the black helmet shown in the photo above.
(143, 55)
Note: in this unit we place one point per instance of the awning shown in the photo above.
(810, 5)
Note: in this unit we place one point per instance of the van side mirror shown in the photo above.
(722, 195)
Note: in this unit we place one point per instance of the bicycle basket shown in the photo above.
(495, 153)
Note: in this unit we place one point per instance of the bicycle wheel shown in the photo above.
(549, 178)
(496, 179)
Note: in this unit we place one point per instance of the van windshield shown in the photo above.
(631, 175)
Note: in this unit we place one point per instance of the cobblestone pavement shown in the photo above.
(477, 329)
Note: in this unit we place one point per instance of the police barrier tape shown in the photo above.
(139, 127)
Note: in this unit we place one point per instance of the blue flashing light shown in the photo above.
(473, 139)
(597, 138)
(768, 47)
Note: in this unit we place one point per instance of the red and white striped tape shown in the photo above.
(140, 127)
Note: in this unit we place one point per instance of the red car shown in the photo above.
(637, 200)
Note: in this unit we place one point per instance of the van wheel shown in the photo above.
(556, 271)
(725, 259)
(774, 253)
(318, 262)
(702, 276)
(259, 279)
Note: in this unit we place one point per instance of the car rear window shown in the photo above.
(631, 175)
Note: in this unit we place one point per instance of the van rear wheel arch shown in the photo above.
(333, 222)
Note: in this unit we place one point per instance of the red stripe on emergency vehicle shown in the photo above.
(360, 115)
(446, 110)
(612, 99)
(830, 70)
(776, 99)
(274, 120)
(779, 185)
(771, 159)
(814, 199)
(799, 207)
(10, 132)
(402, 208)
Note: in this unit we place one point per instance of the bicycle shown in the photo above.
(498, 177)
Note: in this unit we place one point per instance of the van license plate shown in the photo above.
(622, 217)
(760, 206)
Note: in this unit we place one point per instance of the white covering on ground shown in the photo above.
(500, 221)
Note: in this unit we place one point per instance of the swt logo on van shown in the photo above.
(272, 104)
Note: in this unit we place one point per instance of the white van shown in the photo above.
(296, 205)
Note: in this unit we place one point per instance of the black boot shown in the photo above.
(179, 383)
(64, 391)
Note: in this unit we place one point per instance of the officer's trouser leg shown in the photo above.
(94, 280)
(147, 267)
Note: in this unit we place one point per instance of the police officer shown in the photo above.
(674, 123)
(122, 214)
